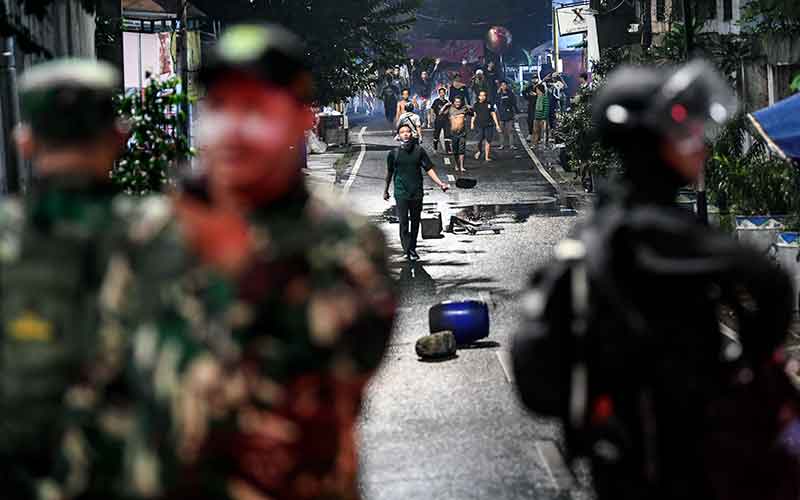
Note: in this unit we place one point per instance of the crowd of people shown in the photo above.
(436, 98)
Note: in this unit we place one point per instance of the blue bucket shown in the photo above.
(467, 319)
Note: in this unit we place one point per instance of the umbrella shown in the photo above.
(779, 124)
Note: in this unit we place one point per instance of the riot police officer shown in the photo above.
(621, 339)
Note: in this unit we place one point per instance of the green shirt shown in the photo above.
(542, 107)
(406, 168)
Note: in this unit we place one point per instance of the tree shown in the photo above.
(156, 144)
(349, 41)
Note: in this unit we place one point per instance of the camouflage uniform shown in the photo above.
(57, 308)
(255, 386)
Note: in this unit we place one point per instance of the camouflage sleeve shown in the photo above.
(365, 267)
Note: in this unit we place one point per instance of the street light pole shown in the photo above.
(182, 56)
(700, 189)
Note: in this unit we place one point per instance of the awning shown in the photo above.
(779, 124)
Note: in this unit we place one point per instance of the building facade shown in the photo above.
(64, 28)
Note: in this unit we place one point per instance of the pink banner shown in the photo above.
(450, 51)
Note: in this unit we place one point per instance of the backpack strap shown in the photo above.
(573, 252)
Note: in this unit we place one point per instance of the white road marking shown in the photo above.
(555, 465)
(536, 161)
(504, 357)
(357, 166)
(451, 178)
(447, 160)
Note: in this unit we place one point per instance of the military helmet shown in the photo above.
(69, 100)
(268, 52)
(655, 102)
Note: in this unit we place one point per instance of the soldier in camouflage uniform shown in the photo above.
(60, 331)
(253, 380)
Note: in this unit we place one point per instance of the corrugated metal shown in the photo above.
(65, 29)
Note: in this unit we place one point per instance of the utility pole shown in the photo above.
(702, 201)
(9, 103)
(182, 56)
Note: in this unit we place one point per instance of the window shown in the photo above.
(660, 10)
(727, 10)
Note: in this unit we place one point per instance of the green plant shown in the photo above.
(576, 130)
(771, 17)
(795, 86)
(748, 180)
(350, 42)
(156, 145)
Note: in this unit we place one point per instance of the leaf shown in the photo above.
(795, 86)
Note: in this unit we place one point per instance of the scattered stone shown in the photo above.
(436, 345)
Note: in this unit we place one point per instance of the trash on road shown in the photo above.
(439, 345)
(431, 225)
(461, 226)
(466, 183)
(467, 319)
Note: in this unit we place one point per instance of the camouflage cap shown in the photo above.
(69, 100)
(266, 51)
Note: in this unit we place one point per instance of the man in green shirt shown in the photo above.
(405, 165)
(541, 114)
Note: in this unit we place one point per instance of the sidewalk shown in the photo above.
(570, 188)
(324, 171)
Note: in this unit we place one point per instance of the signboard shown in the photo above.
(572, 19)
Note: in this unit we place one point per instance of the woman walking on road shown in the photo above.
(405, 165)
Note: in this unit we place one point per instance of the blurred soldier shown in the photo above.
(59, 270)
(254, 383)
(622, 338)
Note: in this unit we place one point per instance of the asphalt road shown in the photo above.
(454, 429)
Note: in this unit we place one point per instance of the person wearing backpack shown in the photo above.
(412, 120)
(621, 340)
(404, 167)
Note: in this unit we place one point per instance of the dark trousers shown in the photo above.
(439, 126)
(390, 109)
(409, 213)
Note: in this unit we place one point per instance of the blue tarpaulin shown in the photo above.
(780, 126)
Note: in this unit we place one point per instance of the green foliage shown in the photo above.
(349, 42)
(795, 86)
(749, 181)
(576, 129)
(156, 145)
(771, 17)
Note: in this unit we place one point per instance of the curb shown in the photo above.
(536, 161)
